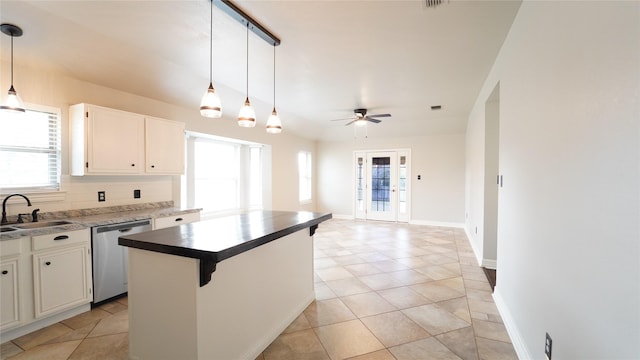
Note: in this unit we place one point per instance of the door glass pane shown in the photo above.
(360, 184)
(380, 183)
(402, 195)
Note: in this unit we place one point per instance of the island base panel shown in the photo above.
(250, 300)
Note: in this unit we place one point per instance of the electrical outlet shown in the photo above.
(101, 196)
(136, 194)
(547, 346)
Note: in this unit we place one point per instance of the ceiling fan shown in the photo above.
(362, 117)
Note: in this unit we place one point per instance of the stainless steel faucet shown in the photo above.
(4, 206)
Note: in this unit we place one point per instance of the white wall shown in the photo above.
(569, 212)
(438, 198)
(51, 88)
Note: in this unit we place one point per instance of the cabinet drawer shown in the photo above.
(40, 242)
(165, 222)
(10, 247)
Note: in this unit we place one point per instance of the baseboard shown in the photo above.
(14, 333)
(511, 326)
(476, 251)
(437, 223)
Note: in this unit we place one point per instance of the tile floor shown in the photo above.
(384, 291)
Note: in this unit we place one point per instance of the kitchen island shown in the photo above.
(219, 289)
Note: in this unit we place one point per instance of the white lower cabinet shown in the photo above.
(61, 279)
(9, 293)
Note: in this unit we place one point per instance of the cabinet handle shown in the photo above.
(133, 164)
(4, 272)
(153, 166)
(48, 263)
(61, 237)
(178, 219)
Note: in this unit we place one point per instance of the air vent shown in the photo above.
(433, 3)
(436, 107)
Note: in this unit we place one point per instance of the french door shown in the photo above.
(382, 186)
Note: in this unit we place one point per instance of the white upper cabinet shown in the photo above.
(112, 142)
(164, 146)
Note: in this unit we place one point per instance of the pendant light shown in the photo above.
(274, 125)
(12, 103)
(210, 105)
(247, 116)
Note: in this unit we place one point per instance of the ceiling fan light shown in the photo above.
(211, 106)
(361, 122)
(247, 116)
(274, 125)
(12, 102)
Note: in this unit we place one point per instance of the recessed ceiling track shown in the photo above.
(235, 12)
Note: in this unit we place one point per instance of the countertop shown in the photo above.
(86, 218)
(214, 240)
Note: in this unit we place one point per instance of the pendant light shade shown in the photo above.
(247, 116)
(210, 105)
(274, 125)
(11, 102)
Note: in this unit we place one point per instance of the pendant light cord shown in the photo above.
(274, 76)
(12, 60)
(247, 60)
(211, 45)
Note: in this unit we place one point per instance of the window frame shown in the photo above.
(305, 177)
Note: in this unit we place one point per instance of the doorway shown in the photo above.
(382, 187)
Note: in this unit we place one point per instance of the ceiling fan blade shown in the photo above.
(373, 120)
(379, 115)
(350, 118)
(350, 122)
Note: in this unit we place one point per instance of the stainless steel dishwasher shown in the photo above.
(110, 260)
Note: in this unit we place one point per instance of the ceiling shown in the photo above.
(399, 57)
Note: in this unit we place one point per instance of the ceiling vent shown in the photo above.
(433, 3)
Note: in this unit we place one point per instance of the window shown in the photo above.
(30, 150)
(223, 175)
(304, 173)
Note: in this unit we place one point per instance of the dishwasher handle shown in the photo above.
(123, 227)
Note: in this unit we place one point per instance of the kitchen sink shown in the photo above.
(41, 224)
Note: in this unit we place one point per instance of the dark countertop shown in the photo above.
(215, 240)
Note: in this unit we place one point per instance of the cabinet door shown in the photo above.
(9, 295)
(61, 279)
(164, 144)
(115, 141)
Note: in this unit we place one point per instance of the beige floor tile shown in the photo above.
(42, 336)
(437, 272)
(376, 355)
(484, 307)
(321, 263)
(362, 269)
(113, 307)
(478, 285)
(112, 347)
(123, 300)
(458, 307)
(394, 328)
(349, 260)
(424, 349)
(327, 312)
(495, 350)
(461, 342)
(77, 334)
(300, 323)
(484, 295)
(115, 324)
(347, 339)
(323, 292)
(491, 330)
(345, 287)
(389, 265)
(409, 277)
(260, 357)
(9, 349)
(436, 291)
(86, 318)
(367, 304)
(435, 319)
(403, 297)
(333, 273)
(380, 281)
(57, 351)
(303, 345)
(373, 256)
